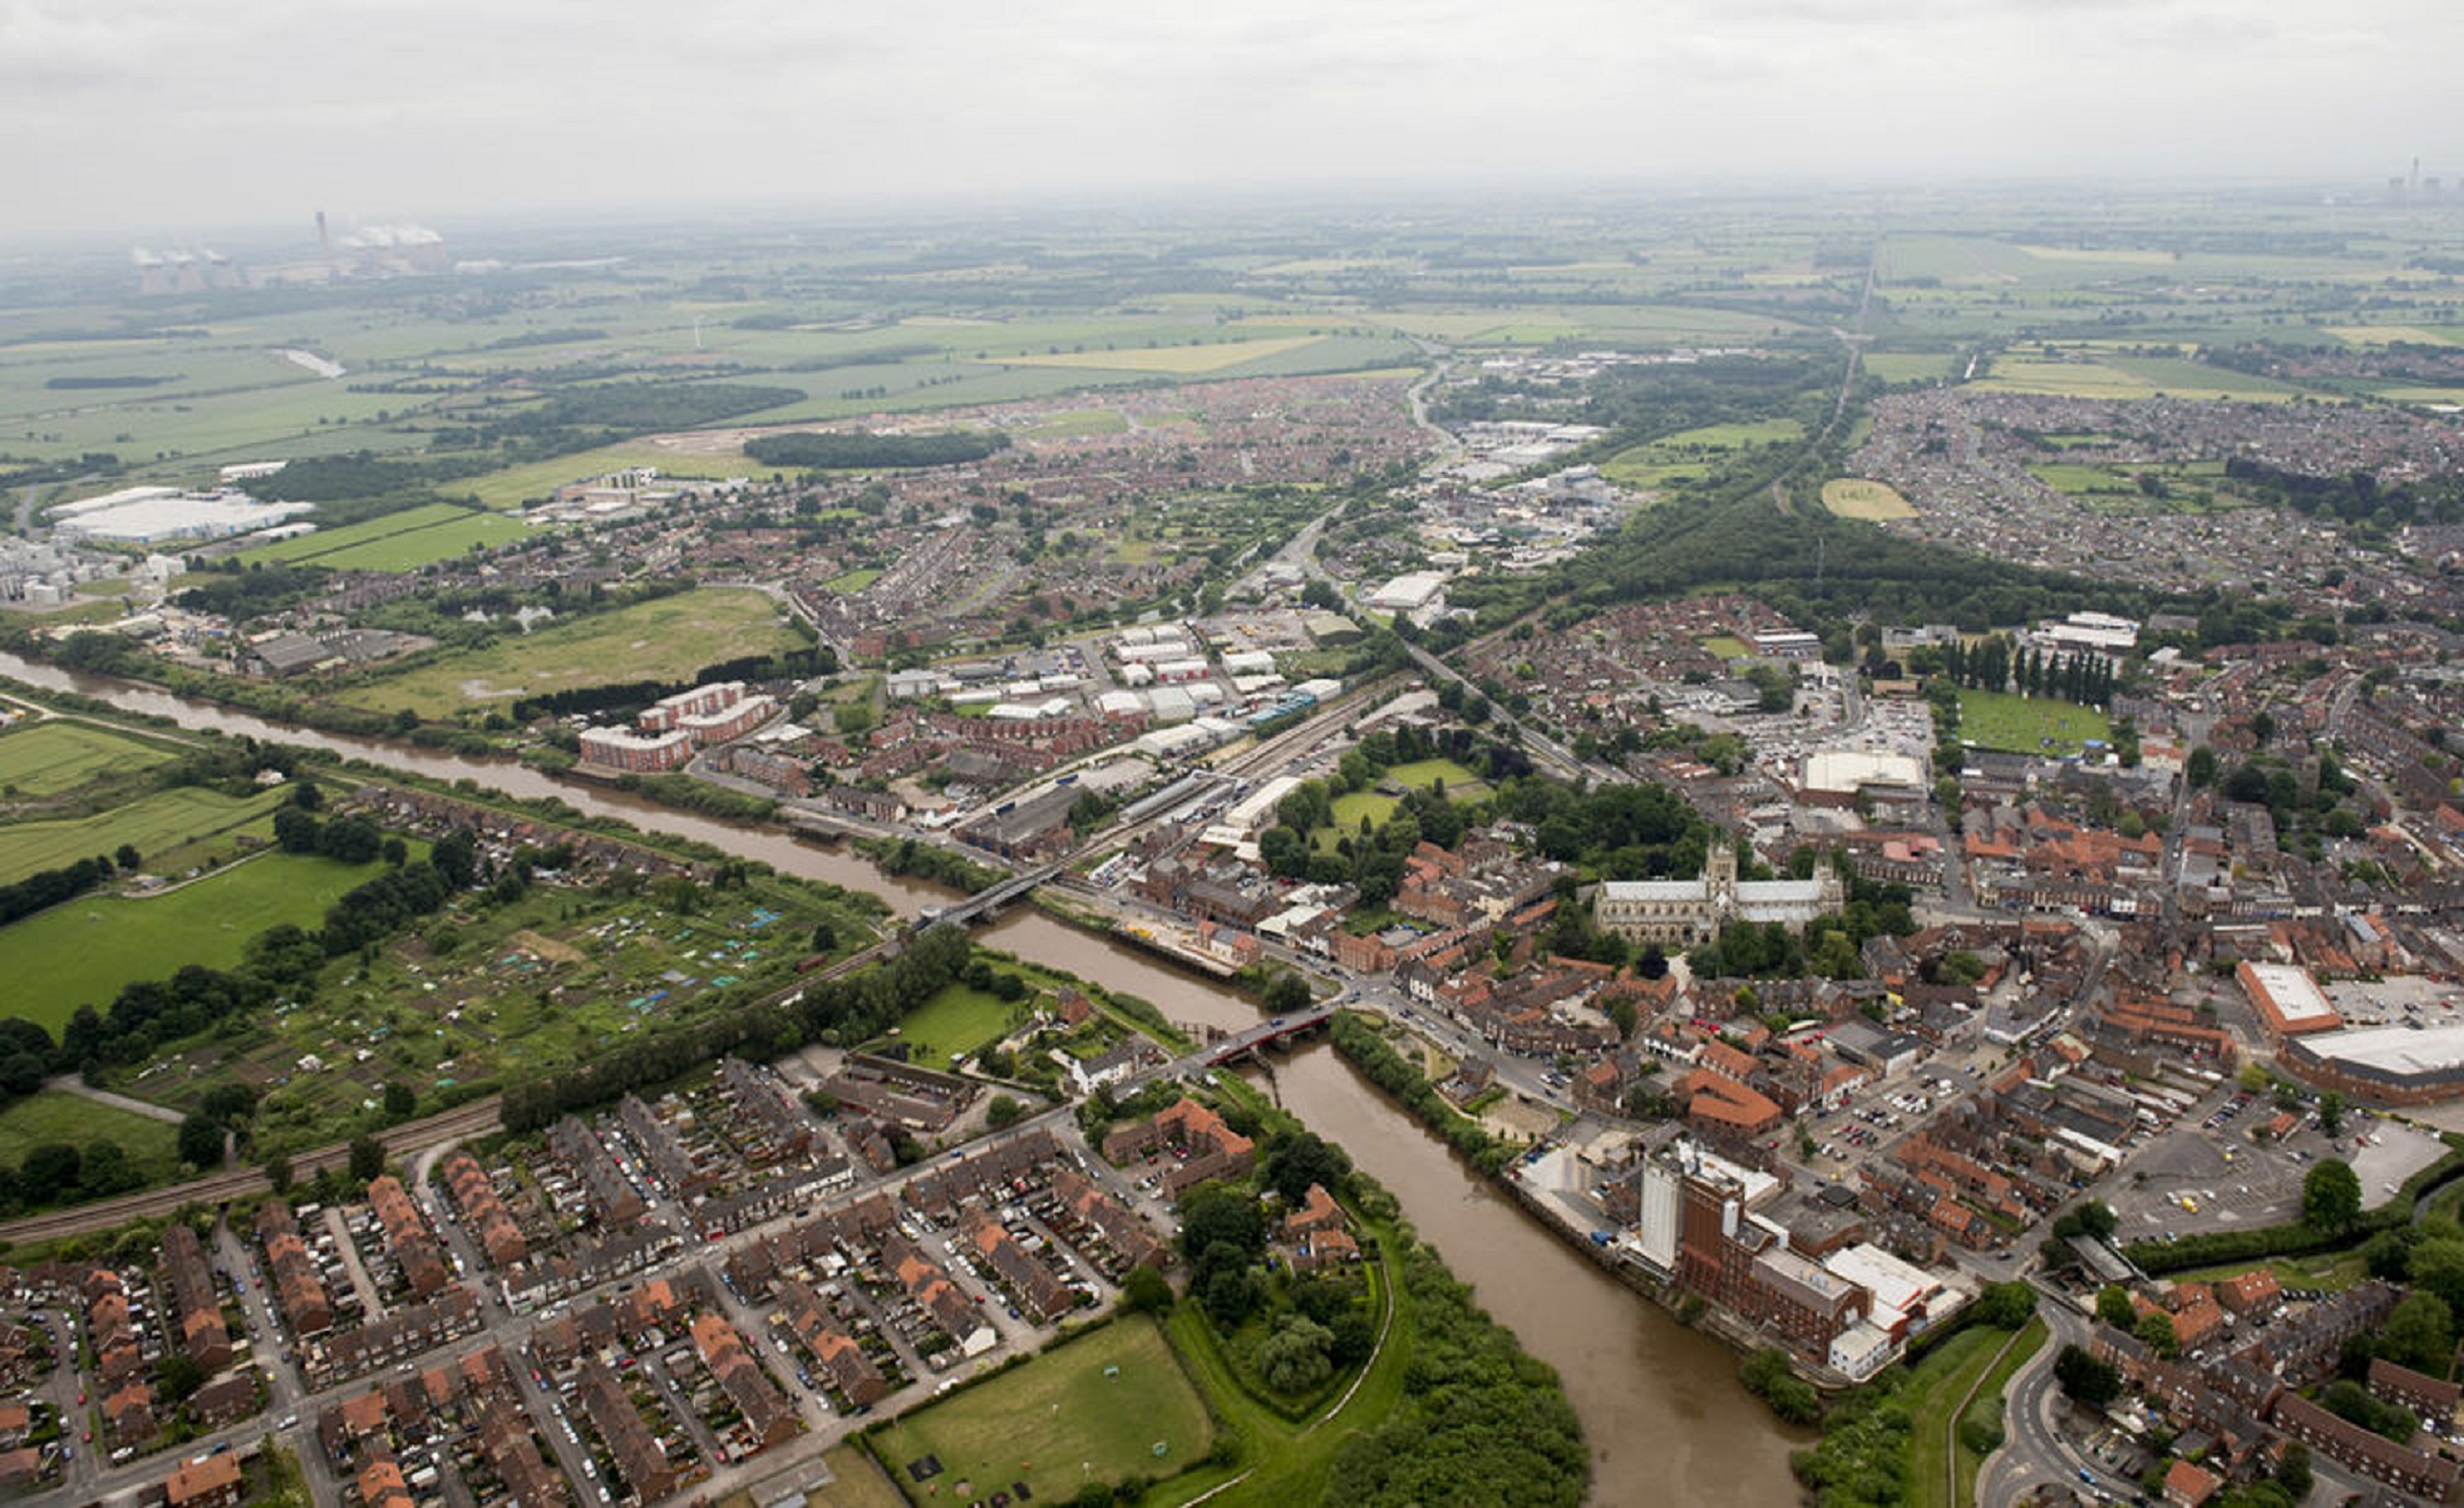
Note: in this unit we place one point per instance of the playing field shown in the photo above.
(850, 583)
(957, 1020)
(1428, 772)
(1996, 720)
(50, 1116)
(1351, 808)
(44, 759)
(1873, 502)
(1182, 361)
(153, 823)
(666, 639)
(84, 951)
(1092, 1411)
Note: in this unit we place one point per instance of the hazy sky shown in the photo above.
(152, 118)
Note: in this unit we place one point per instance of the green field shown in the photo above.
(955, 1021)
(664, 639)
(1873, 502)
(1909, 366)
(50, 1116)
(44, 759)
(1726, 646)
(1092, 1409)
(1999, 720)
(1353, 806)
(82, 952)
(1694, 452)
(850, 583)
(154, 823)
(1428, 772)
(533, 481)
(401, 541)
(2335, 1271)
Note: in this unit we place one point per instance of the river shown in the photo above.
(1660, 1403)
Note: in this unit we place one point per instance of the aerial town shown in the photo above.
(772, 930)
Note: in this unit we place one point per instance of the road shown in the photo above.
(70, 1083)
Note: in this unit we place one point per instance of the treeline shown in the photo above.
(1368, 1050)
(1479, 1421)
(793, 664)
(913, 860)
(2300, 1237)
(853, 1009)
(49, 887)
(646, 406)
(1996, 664)
(264, 588)
(848, 452)
(85, 383)
(1820, 570)
(2357, 497)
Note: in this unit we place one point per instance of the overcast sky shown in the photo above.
(159, 117)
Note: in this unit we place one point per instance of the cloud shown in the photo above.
(251, 108)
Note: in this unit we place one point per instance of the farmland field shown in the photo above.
(395, 542)
(1177, 360)
(1875, 502)
(152, 823)
(1909, 366)
(1997, 720)
(664, 639)
(44, 759)
(83, 951)
(409, 549)
(1092, 1409)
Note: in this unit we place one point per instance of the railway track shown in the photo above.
(462, 1122)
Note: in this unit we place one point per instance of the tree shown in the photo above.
(2007, 1306)
(178, 1375)
(50, 1169)
(127, 856)
(2331, 1196)
(2201, 769)
(1145, 1292)
(2292, 1471)
(1286, 994)
(1295, 1359)
(1296, 1160)
(2330, 1111)
(400, 1100)
(278, 1173)
(201, 1141)
(1213, 1214)
(2419, 1332)
(2114, 1308)
(2155, 1331)
(1002, 1110)
(2086, 1380)
(368, 1159)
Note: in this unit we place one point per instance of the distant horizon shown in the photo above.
(268, 234)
